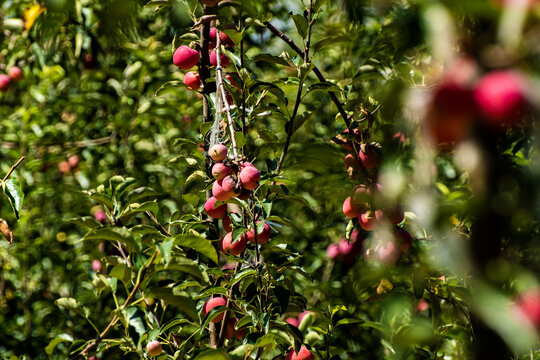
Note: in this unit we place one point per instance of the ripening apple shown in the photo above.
(213, 59)
(226, 223)
(351, 210)
(228, 183)
(500, 96)
(293, 321)
(73, 161)
(225, 39)
(192, 80)
(368, 221)
(229, 330)
(235, 248)
(250, 177)
(369, 155)
(96, 265)
(4, 82)
(263, 237)
(185, 58)
(220, 193)
(220, 170)
(153, 348)
(212, 211)
(230, 78)
(332, 251)
(218, 152)
(64, 167)
(212, 303)
(388, 254)
(15, 73)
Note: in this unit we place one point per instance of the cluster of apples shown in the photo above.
(463, 100)
(346, 250)
(185, 57)
(233, 180)
(68, 165)
(14, 74)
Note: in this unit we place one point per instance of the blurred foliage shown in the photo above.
(114, 183)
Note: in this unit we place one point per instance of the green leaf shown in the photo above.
(330, 41)
(72, 304)
(347, 321)
(57, 340)
(87, 221)
(301, 24)
(197, 243)
(121, 272)
(121, 235)
(13, 190)
(301, 120)
(271, 59)
(323, 86)
(151, 206)
(183, 302)
(168, 86)
(317, 4)
(198, 175)
(272, 88)
(235, 36)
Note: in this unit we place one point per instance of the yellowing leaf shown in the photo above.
(6, 231)
(384, 286)
(31, 14)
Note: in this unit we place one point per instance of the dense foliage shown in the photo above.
(384, 151)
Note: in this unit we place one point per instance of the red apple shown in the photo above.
(4, 82)
(250, 177)
(216, 213)
(368, 221)
(15, 73)
(192, 80)
(185, 58)
(500, 96)
(223, 57)
(388, 254)
(64, 167)
(212, 303)
(96, 265)
(226, 223)
(293, 321)
(235, 248)
(529, 305)
(229, 330)
(349, 209)
(220, 170)
(369, 156)
(220, 193)
(225, 39)
(263, 237)
(332, 252)
(73, 161)
(303, 354)
(228, 183)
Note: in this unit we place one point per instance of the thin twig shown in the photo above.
(13, 168)
(221, 336)
(140, 276)
(221, 92)
(163, 229)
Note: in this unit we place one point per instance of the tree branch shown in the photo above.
(13, 168)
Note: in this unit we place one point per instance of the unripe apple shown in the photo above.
(192, 80)
(500, 96)
(220, 193)
(369, 156)
(218, 152)
(367, 221)
(4, 82)
(229, 330)
(226, 223)
(15, 73)
(96, 265)
(235, 248)
(223, 57)
(73, 161)
(332, 252)
(212, 303)
(262, 237)
(220, 170)
(225, 39)
(64, 167)
(303, 354)
(450, 112)
(153, 348)
(250, 177)
(216, 213)
(185, 58)
(349, 209)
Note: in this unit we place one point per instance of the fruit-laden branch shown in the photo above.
(140, 277)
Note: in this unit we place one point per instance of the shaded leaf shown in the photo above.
(197, 243)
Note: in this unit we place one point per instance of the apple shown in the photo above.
(218, 152)
(15, 73)
(360, 197)
(228, 184)
(500, 96)
(303, 354)
(213, 59)
(368, 221)
(220, 170)
(225, 39)
(529, 305)
(73, 161)
(262, 237)
(250, 177)
(369, 156)
(100, 216)
(226, 223)
(293, 321)
(404, 239)
(349, 209)
(96, 265)
(153, 348)
(332, 252)
(235, 248)
(192, 80)
(4, 82)
(212, 211)
(212, 303)
(185, 58)
(64, 167)
(388, 254)
(89, 62)
(229, 330)
(220, 193)
(450, 113)
(232, 81)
